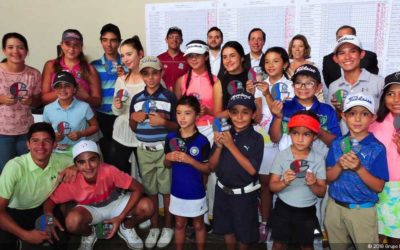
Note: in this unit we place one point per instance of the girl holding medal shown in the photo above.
(72, 60)
(19, 92)
(124, 141)
(187, 152)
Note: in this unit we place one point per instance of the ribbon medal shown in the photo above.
(300, 167)
(18, 90)
(177, 144)
(122, 94)
(235, 87)
(64, 128)
(220, 124)
(340, 95)
(280, 92)
(256, 74)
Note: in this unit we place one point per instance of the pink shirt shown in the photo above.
(77, 73)
(17, 118)
(384, 131)
(201, 87)
(109, 178)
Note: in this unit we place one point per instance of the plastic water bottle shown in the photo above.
(355, 145)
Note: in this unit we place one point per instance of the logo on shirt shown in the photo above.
(180, 66)
(246, 147)
(194, 151)
(18, 90)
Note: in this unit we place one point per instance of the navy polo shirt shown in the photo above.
(229, 172)
(165, 102)
(187, 182)
(348, 187)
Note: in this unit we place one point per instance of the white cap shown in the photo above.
(196, 48)
(84, 146)
(347, 39)
(359, 99)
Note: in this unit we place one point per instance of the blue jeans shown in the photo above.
(10, 147)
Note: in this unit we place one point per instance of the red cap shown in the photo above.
(302, 120)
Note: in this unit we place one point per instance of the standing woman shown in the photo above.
(19, 91)
(72, 60)
(233, 80)
(124, 141)
(199, 82)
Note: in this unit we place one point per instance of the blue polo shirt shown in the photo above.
(108, 75)
(348, 187)
(187, 182)
(165, 102)
(251, 145)
(73, 118)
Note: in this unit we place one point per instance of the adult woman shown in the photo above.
(199, 82)
(20, 90)
(72, 60)
(124, 139)
(299, 51)
(233, 80)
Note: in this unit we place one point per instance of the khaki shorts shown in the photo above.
(156, 178)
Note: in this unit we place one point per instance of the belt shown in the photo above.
(352, 206)
(152, 148)
(244, 190)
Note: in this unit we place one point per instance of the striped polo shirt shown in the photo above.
(165, 103)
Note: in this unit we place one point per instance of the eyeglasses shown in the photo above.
(307, 85)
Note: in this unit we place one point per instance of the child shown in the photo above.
(298, 177)
(386, 130)
(72, 120)
(355, 177)
(276, 87)
(306, 82)
(152, 115)
(236, 158)
(187, 152)
(99, 201)
(348, 54)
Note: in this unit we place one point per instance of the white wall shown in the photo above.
(43, 21)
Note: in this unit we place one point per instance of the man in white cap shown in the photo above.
(98, 201)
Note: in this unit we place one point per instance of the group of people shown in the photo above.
(214, 131)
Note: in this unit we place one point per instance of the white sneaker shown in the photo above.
(166, 237)
(145, 224)
(87, 242)
(130, 236)
(152, 238)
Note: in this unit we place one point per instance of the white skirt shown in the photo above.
(188, 208)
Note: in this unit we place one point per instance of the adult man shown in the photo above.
(106, 66)
(25, 183)
(256, 41)
(331, 70)
(214, 42)
(173, 61)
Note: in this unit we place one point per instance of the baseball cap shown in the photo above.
(308, 70)
(176, 30)
(111, 28)
(244, 99)
(72, 34)
(150, 62)
(347, 39)
(393, 78)
(84, 146)
(64, 76)
(196, 48)
(359, 99)
(304, 120)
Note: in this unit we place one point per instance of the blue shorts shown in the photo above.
(236, 214)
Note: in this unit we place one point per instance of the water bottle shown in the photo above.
(102, 230)
(355, 145)
(153, 106)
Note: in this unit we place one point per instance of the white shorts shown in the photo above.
(268, 159)
(188, 208)
(115, 208)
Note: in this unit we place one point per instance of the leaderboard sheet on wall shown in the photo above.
(377, 23)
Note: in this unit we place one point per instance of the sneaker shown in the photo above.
(166, 237)
(87, 242)
(145, 224)
(152, 238)
(131, 238)
(262, 232)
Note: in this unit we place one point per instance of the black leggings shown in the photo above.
(119, 156)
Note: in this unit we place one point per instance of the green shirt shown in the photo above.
(26, 185)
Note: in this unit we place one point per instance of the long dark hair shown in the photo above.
(383, 111)
(83, 63)
(239, 49)
(284, 55)
(135, 43)
(208, 66)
